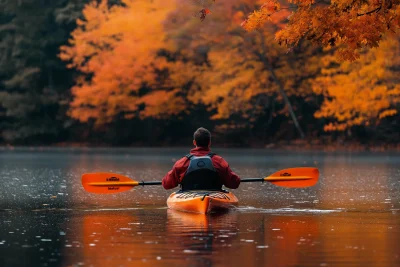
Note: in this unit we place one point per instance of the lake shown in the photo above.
(350, 218)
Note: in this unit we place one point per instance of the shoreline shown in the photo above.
(298, 146)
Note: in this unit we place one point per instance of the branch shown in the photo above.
(370, 12)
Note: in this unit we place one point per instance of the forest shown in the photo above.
(148, 73)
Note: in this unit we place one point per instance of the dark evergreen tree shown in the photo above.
(34, 81)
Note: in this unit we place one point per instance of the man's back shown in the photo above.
(226, 176)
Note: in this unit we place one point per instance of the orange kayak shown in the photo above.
(202, 201)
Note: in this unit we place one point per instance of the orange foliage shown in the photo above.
(361, 92)
(347, 25)
(232, 76)
(115, 49)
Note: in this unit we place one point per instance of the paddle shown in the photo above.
(291, 177)
(106, 183)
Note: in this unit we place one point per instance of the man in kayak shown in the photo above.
(201, 169)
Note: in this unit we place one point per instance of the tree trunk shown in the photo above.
(286, 99)
(268, 65)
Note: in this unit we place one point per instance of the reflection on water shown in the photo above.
(148, 237)
(351, 218)
(209, 235)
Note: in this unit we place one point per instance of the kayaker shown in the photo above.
(201, 169)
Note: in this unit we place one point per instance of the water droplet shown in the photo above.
(189, 251)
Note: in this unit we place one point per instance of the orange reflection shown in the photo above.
(274, 240)
(292, 234)
(113, 238)
(258, 240)
(100, 233)
(151, 238)
(202, 240)
(118, 239)
(186, 221)
(363, 239)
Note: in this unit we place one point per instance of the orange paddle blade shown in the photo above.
(107, 183)
(294, 177)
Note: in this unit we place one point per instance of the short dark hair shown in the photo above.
(202, 136)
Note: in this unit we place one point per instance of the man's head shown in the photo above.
(202, 137)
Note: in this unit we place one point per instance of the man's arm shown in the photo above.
(228, 177)
(172, 178)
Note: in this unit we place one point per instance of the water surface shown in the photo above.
(350, 218)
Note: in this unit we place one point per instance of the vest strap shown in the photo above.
(189, 156)
(210, 154)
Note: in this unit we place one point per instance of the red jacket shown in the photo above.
(175, 176)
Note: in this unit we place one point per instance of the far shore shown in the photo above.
(299, 145)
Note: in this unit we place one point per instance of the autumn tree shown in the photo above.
(118, 51)
(363, 92)
(243, 76)
(349, 26)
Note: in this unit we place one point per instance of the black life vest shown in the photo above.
(201, 174)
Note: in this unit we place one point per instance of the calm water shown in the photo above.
(351, 218)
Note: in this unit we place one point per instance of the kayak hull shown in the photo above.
(202, 201)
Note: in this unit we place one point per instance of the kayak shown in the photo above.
(202, 201)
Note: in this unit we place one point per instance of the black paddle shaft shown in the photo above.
(150, 183)
(251, 180)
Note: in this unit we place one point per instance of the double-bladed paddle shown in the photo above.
(106, 183)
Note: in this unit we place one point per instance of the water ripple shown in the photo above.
(285, 210)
